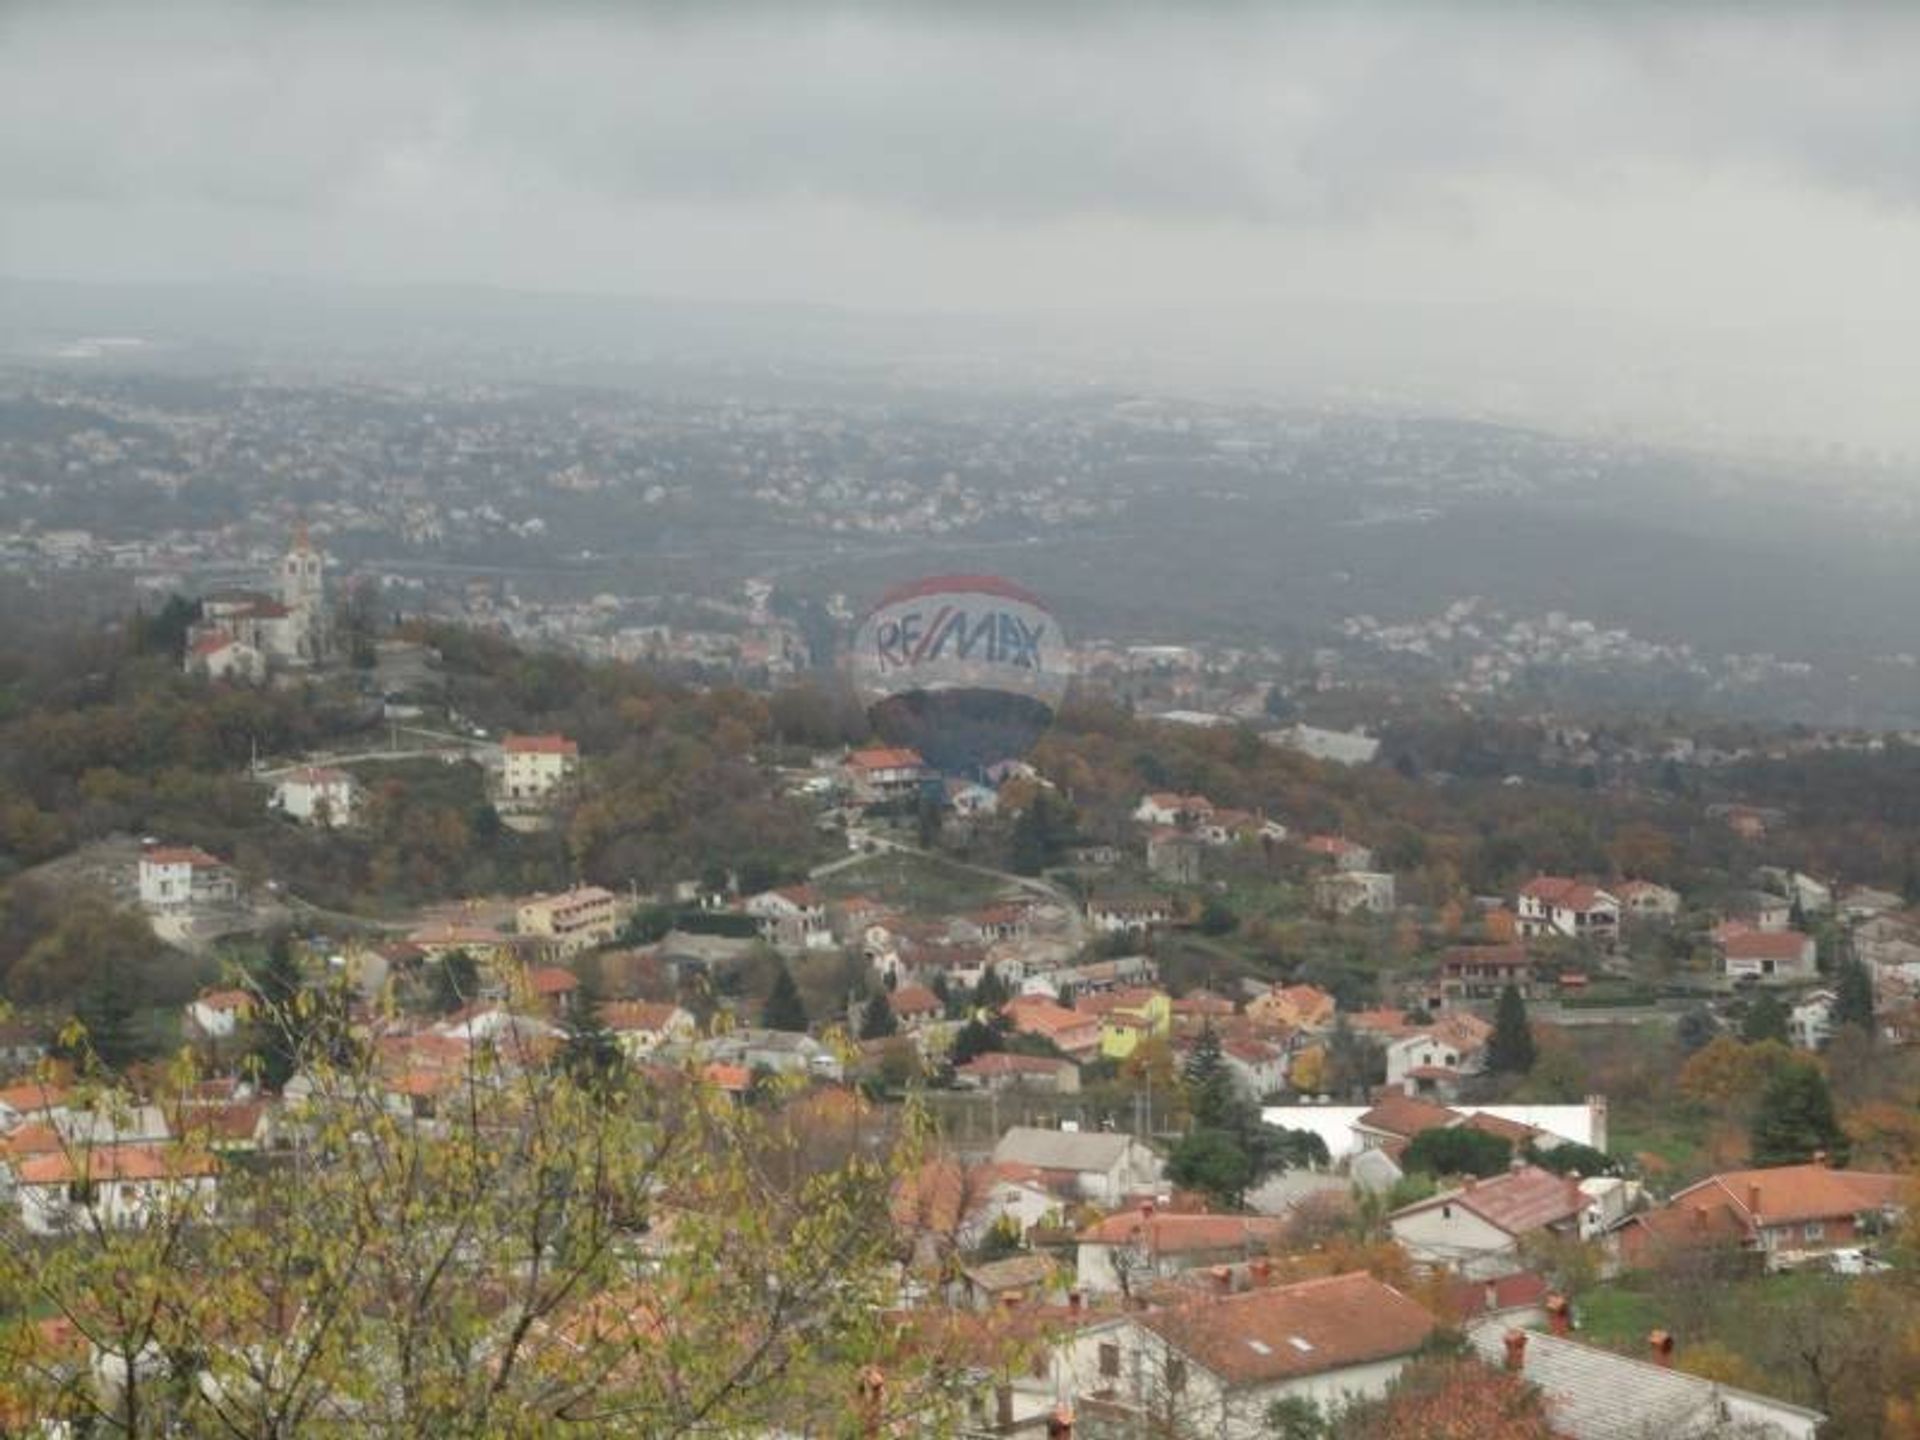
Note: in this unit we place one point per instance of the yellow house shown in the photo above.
(1129, 1016)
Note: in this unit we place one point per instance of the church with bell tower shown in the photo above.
(245, 634)
(303, 592)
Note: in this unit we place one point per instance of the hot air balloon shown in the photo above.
(966, 669)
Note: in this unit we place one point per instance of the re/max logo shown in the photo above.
(997, 637)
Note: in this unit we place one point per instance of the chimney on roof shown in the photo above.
(1820, 1158)
(1260, 1268)
(1699, 1218)
(1146, 1208)
(1076, 1301)
(1516, 1350)
(1661, 1344)
(873, 1394)
(1753, 1200)
(1559, 1315)
(1222, 1276)
(1490, 1297)
(1060, 1423)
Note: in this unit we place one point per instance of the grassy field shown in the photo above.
(914, 883)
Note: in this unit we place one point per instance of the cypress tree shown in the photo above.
(877, 1020)
(1853, 997)
(1510, 1051)
(784, 1010)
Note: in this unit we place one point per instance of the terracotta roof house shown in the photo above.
(1004, 1070)
(1398, 1118)
(1556, 906)
(1477, 1228)
(1075, 1032)
(1131, 1247)
(1769, 955)
(1788, 1211)
(1221, 1362)
(1293, 1007)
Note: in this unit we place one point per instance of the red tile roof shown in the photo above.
(1785, 1194)
(1407, 1116)
(539, 745)
(180, 855)
(116, 1162)
(550, 980)
(1168, 1233)
(914, 1000)
(1561, 893)
(884, 759)
(1266, 1335)
(1767, 945)
(619, 1015)
(1519, 1202)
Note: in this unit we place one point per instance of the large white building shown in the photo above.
(317, 795)
(535, 767)
(180, 877)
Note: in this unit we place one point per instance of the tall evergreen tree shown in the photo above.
(1853, 996)
(591, 1054)
(1210, 1092)
(991, 993)
(1766, 1019)
(1510, 1050)
(456, 981)
(784, 1010)
(1795, 1118)
(276, 983)
(877, 1020)
(113, 1032)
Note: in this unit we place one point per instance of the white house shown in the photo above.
(219, 1014)
(1810, 1023)
(793, 918)
(1217, 1365)
(1258, 1066)
(220, 656)
(1125, 915)
(115, 1185)
(180, 877)
(1348, 892)
(535, 767)
(883, 773)
(1782, 955)
(1552, 905)
(1107, 1168)
(317, 795)
(1435, 1057)
(643, 1026)
(1646, 900)
(1477, 1229)
(1165, 807)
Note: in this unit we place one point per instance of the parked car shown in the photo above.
(1856, 1262)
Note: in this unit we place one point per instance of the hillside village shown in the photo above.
(1236, 1106)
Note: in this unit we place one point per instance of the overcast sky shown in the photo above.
(1690, 214)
